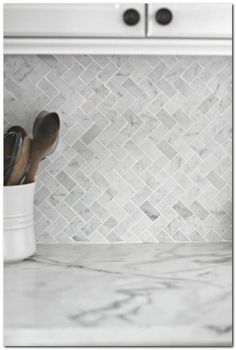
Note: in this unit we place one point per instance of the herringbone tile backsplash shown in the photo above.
(145, 145)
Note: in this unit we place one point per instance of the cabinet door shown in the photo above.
(190, 20)
(72, 20)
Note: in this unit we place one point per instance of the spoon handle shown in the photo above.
(21, 163)
(35, 160)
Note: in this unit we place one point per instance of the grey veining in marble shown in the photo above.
(144, 140)
(150, 294)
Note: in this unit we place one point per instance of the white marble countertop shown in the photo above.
(124, 294)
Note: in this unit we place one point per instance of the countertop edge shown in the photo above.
(132, 336)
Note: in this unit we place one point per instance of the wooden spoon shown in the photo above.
(37, 122)
(11, 141)
(12, 146)
(21, 164)
(44, 136)
(8, 166)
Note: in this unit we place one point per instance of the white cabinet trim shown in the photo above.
(118, 46)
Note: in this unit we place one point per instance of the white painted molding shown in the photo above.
(15, 46)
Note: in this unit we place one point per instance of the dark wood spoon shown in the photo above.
(21, 164)
(37, 122)
(45, 135)
(12, 146)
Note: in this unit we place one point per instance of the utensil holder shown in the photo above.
(19, 239)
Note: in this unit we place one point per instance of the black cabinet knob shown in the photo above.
(164, 16)
(131, 17)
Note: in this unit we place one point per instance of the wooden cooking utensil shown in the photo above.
(45, 135)
(12, 146)
(8, 166)
(37, 122)
(12, 141)
(21, 164)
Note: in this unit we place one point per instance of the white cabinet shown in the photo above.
(71, 20)
(191, 20)
(195, 29)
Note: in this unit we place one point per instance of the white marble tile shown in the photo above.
(164, 122)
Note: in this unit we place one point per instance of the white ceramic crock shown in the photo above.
(19, 240)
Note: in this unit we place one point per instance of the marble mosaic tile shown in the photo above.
(145, 145)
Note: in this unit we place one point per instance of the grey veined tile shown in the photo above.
(216, 180)
(150, 211)
(83, 150)
(166, 119)
(182, 210)
(168, 150)
(198, 209)
(93, 132)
